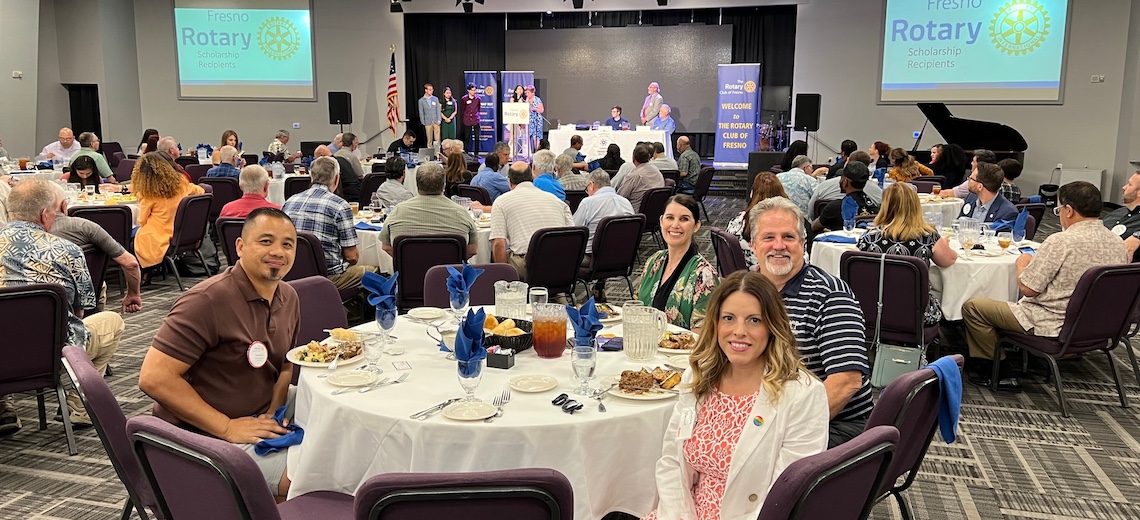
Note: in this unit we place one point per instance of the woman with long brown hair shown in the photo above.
(904, 168)
(747, 408)
(159, 188)
(229, 138)
(765, 185)
(456, 173)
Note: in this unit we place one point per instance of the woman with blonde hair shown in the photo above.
(229, 138)
(899, 229)
(159, 188)
(747, 408)
(904, 167)
(766, 185)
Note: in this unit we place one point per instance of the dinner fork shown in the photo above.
(348, 388)
(381, 383)
(499, 401)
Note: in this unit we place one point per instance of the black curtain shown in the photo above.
(439, 47)
(84, 101)
(765, 35)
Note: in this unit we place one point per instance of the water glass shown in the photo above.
(549, 330)
(1018, 237)
(386, 319)
(373, 349)
(988, 234)
(470, 374)
(539, 295)
(584, 360)
(459, 302)
(90, 190)
(848, 225)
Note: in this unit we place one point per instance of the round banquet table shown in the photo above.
(133, 205)
(993, 276)
(609, 458)
(277, 186)
(948, 208)
(372, 251)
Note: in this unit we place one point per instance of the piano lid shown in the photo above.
(972, 134)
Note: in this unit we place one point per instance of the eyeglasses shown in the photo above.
(1057, 210)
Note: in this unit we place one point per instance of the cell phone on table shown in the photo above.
(1027, 249)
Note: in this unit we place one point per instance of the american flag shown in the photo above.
(393, 96)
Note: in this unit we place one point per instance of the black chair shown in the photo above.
(653, 204)
(378, 167)
(729, 256)
(701, 188)
(109, 149)
(524, 494)
(349, 182)
(310, 261)
(617, 237)
(574, 198)
(125, 170)
(478, 193)
(414, 255)
(369, 185)
(186, 161)
(940, 179)
(1036, 210)
(229, 229)
(675, 175)
(225, 191)
(249, 158)
(612, 173)
(904, 304)
(197, 172)
(190, 222)
(114, 159)
(296, 184)
(923, 185)
(96, 264)
(116, 220)
(320, 309)
(816, 210)
(554, 256)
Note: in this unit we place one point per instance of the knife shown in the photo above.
(424, 414)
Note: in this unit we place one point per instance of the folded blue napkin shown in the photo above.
(209, 149)
(382, 290)
(585, 321)
(880, 175)
(1002, 225)
(293, 438)
(949, 396)
(1035, 199)
(1019, 223)
(459, 283)
(469, 342)
(366, 226)
(850, 208)
(836, 239)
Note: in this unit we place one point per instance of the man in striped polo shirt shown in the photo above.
(826, 319)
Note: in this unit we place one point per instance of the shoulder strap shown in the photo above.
(879, 301)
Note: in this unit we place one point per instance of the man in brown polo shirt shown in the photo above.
(218, 364)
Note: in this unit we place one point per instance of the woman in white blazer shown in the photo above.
(747, 408)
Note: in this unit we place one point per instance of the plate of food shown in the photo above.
(321, 354)
(644, 385)
(609, 313)
(677, 343)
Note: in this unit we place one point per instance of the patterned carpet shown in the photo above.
(1017, 458)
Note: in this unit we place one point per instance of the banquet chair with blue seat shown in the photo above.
(518, 494)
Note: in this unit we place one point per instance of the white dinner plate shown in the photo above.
(483, 223)
(426, 313)
(469, 411)
(677, 351)
(647, 396)
(612, 317)
(679, 361)
(533, 383)
(292, 356)
(352, 378)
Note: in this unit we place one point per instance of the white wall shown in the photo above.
(20, 22)
(837, 55)
(351, 41)
(53, 110)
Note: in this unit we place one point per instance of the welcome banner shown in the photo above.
(487, 88)
(738, 111)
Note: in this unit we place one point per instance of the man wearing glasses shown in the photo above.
(1046, 280)
(984, 202)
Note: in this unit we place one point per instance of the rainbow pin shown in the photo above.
(758, 421)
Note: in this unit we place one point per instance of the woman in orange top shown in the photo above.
(904, 168)
(159, 188)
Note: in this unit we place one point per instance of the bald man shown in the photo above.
(688, 163)
(63, 149)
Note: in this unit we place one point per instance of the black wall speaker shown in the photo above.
(340, 108)
(807, 112)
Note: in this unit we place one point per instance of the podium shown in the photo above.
(517, 116)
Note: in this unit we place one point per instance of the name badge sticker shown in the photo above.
(257, 354)
(966, 210)
(1119, 229)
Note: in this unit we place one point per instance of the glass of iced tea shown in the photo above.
(1005, 238)
(355, 208)
(549, 330)
(936, 189)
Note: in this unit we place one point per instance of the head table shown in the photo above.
(993, 275)
(608, 457)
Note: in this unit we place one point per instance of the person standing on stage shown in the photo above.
(430, 115)
(616, 121)
(653, 102)
(470, 106)
(536, 110)
(447, 111)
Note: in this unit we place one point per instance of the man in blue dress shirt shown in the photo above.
(543, 164)
(665, 122)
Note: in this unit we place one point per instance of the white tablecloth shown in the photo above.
(595, 142)
(609, 458)
(977, 277)
(371, 252)
(948, 208)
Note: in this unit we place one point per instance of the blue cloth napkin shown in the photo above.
(459, 283)
(1035, 199)
(836, 239)
(382, 291)
(293, 438)
(469, 342)
(850, 208)
(950, 396)
(1002, 225)
(366, 226)
(1019, 223)
(880, 175)
(209, 149)
(586, 322)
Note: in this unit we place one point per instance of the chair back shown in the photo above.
(378, 167)
(414, 255)
(574, 199)
(904, 304)
(482, 292)
(704, 182)
(125, 169)
(226, 190)
(320, 308)
(37, 314)
(229, 229)
(1036, 209)
(198, 171)
(729, 256)
(519, 494)
(618, 236)
(671, 184)
(1100, 310)
(478, 193)
(925, 185)
(839, 483)
(369, 185)
(110, 424)
(612, 173)
(195, 476)
(115, 220)
(190, 223)
(296, 184)
(96, 264)
(250, 158)
(1030, 227)
(675, 175)
(186, 161)
(816, 209)
(473, 166)
(910, 404)
(109, 149)
(653, 204)
(869, 219)
(554, 256)
(309, 260)
(114, 159)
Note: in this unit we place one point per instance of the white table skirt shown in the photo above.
(371, 252)
(948, 208)
(976, 277)
(595, 142)
(609, 458)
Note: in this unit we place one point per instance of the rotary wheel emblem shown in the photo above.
(278, 38)
(1019, 27)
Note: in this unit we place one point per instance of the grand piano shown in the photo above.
(972, 134)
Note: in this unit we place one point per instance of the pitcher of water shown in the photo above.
(510, 299)
(643, 328)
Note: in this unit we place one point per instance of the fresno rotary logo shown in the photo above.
(1019, 27)
(750, 86)
(489, 90)
(278, 38)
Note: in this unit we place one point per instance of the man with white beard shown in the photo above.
(826, 319)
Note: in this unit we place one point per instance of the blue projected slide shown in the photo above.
(984, 51)
(244, 53)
